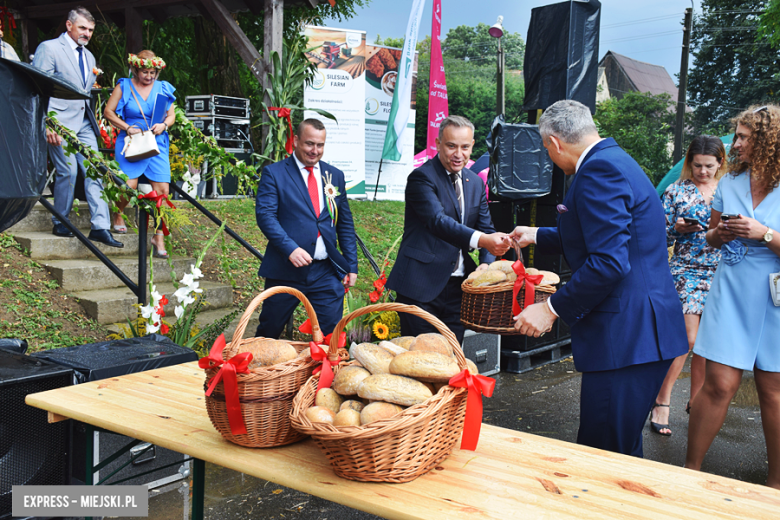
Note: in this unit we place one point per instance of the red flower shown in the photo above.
(375, 295)
(164, 328)
(163, 301)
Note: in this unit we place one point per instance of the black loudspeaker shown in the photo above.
(562, 54)
(32, 451)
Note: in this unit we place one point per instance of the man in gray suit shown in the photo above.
(68, 58)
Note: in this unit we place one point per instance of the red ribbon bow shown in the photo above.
(531, 282)
(238, 364)
(285, 112)
(477, 387)
(320, 354)
(158, 200)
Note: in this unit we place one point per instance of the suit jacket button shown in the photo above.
(312, 243)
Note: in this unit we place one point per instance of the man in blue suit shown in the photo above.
(446, 216)
(625, 316)
(68, 57)
(302, 253)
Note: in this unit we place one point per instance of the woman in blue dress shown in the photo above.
(131, 109)
(694, 261)
(740, 326)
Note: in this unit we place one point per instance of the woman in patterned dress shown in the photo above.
(693, 262)
(740, 327)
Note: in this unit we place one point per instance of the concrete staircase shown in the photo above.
(102, 295)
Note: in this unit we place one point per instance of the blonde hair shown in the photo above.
(145, 55)
(764, 125)
(705, 145)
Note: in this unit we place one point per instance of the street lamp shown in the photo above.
(497, 31)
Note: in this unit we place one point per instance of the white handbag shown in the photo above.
(140, 146)
(774, 290)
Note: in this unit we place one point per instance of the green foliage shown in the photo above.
(733, 68)
(642, 125)
(474, 44)
(769, 24)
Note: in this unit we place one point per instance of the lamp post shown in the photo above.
(497, 31)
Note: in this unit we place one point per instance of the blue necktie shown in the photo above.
(81, 65)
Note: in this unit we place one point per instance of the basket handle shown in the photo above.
(317, 336)
(397, 307)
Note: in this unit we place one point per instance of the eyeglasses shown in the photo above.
(764, 108)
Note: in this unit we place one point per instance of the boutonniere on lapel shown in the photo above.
(96, 71)
(561, 209)
(331, 192)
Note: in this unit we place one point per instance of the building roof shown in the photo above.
(645, 77)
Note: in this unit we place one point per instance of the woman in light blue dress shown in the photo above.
(131, 109)
(740, 326)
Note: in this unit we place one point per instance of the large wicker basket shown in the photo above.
(489, 308)
(265, 393)
(399, 449)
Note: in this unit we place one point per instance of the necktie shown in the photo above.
(454, 179)
(81, 65)
(313, 191)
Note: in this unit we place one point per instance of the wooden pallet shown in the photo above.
(518, 362)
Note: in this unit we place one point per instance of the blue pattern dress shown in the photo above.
(740, 326)
(693, 262)
(157, 168)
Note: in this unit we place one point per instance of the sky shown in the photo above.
(647, 30)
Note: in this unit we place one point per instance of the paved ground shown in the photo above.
(544, 401)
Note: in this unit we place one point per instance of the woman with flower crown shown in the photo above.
(130, 109)
(740, 326)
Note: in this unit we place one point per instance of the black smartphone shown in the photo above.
(729, 216)
(692, 221)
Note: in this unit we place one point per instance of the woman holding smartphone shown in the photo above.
(740, 326)
(687, 205)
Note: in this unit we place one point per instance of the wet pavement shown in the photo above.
(544, 402)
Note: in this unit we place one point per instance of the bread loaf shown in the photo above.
(373, 357)
(431, 367)
(320, 414)
(489, 277)
(378, 411)
(431, 343)
(347, 417)
(403, 341)
(352, 405)
(473, 370)
(348, 378)
(328, 398)
(395, 389)
(267, 352)
(502, 265)
(305, 353)
(392, 347)
(550, 278)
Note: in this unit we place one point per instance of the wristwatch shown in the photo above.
(767, 236)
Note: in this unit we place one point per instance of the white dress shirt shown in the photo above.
(576, 169)
(320, 253)
(75, 46)
(474, 242)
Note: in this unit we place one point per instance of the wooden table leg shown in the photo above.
(198, 490)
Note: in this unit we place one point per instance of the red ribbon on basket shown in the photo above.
(531, 281)
(285, 112)
(305, 328)
(158, 200)
(320, 354)
(477, 386)
(238, 364)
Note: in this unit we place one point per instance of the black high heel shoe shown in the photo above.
(655, 427)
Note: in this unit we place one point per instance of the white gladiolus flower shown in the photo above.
(188, 279)
(187, 300)
(151, 328)
(196, 273)
(147, 312)
(182, 293)
(178, 311)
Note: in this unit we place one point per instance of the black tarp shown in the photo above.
(562, 54)
(24, 97)
(520, 167)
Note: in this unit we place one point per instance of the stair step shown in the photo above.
(45, 246)
(39, 218)
(86, 274)
(112, 305)
(204, 318)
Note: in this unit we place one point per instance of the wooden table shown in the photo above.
(511, 475)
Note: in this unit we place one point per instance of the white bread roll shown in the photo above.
(348, 379)
(430, 367)
(489, 277)
(502, 265)
(320, 414)
(328, 398)
(352, 405)
(390, 388)
(373, 357)
(347, 417)
(377, 411)
(431, 342)
(267, 352)
(392, 347)
(403, 341)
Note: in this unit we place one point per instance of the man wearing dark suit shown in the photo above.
(302, 251)
(625, 316)
(68, 58)
(446, 216)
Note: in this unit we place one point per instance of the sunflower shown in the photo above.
(381, 331)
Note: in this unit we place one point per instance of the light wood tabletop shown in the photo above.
(511, 475)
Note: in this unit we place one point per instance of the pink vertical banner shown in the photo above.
(437, 91)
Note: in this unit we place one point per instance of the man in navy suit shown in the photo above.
(625, 316)
(302, 253)
(446, 216)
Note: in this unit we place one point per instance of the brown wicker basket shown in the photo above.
(489, 308)
(265, 393)
(399, 449)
